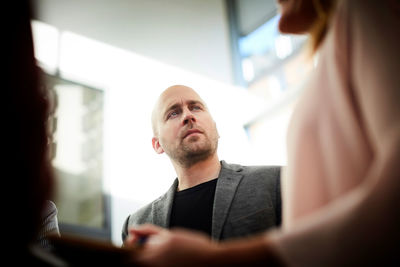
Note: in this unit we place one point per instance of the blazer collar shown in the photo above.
(162, 207)
(228, 181)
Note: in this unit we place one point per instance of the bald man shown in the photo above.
(211, 196)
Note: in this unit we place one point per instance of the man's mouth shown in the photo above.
(190, 132)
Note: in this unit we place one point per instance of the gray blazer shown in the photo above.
(247, 201)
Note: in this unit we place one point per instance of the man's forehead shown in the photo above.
(179, 96)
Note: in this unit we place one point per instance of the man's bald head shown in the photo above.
(165, 96)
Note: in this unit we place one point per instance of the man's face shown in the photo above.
(184, 128)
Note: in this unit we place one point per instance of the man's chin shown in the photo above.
(194, 152)
(194, 157)
(192, 138)
(195, 148)
(194, 143)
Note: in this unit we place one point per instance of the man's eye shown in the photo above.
(196, 108)
(172, 114)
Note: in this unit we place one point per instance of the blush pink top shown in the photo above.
(341, 187)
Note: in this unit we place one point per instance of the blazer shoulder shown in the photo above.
(269, 173)
(269, 169)
(262, 177)
(141, 216)
(273, 171)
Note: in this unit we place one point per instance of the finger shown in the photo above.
(145, 230)
(131, 240)
(141, 233)
(155, 240)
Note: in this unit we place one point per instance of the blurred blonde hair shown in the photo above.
(324, 10)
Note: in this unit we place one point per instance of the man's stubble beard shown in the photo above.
(189, 153)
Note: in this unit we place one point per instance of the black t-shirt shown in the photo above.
(193, 207)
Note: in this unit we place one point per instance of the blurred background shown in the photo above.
(105, 63)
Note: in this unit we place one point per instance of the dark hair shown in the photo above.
(29, 176)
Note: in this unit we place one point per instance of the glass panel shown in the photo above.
(266, 52)
(77, 137)
(274, 66)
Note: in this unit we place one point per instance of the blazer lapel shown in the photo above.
(162, 207)
(228, 181)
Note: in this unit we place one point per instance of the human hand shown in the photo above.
(176, 247)
(138, 235)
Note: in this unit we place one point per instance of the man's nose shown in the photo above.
(188, 117)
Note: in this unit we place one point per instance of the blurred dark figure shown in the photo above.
(29, 179)
(31, 218)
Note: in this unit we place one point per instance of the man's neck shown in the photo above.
(198, 173)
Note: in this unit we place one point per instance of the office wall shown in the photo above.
(189, 34)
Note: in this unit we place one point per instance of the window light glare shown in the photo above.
(283, 46)
(248, 69)
(46, 42)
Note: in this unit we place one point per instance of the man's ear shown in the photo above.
(156, 145)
